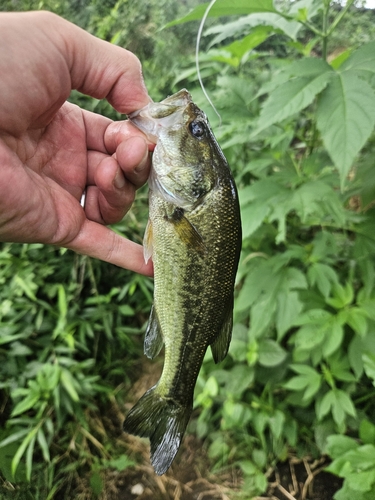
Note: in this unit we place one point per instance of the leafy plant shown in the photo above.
(297, 129)
(70, 327)
(294, 84)
(66, 341)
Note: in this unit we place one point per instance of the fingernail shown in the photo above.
(142, 164)
(119, 180)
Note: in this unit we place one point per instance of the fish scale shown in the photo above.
(194, 238)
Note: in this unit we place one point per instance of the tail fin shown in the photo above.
(164, 422)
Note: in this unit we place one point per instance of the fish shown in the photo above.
(193, 236)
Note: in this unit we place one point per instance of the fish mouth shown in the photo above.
(161, 115)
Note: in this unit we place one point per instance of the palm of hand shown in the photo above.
(47, 170)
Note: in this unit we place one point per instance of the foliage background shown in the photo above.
(294, 85)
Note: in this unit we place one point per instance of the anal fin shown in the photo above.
(220, 346)
(153, 336)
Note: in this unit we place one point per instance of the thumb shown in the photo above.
(103, 70)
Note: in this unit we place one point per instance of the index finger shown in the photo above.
(100, 242)
(119, 132)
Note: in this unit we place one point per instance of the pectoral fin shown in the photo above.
(153, 337)
(148, 240)
(186, 231)
(220, 346)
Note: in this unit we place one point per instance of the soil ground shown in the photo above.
(189, 477)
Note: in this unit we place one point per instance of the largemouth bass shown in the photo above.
(194, 238)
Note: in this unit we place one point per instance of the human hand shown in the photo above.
(51, 150)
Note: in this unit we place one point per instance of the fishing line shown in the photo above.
(199, 36)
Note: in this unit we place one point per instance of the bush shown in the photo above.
(68, 335)
(298, 131)
(297, 106)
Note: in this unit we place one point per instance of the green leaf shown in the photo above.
(225, 8)
(13, 437)
(334, 336)
(362, 458)
(96, 483)
(324, 405)
(27, 287)
(238, 379)
(270, 353)
(367, 432)
(29, 458)
(240, 47)
(279, 23)
(308, 337)
(313, 317)
(26, 404)
(355, 352)
(362, 61)
(120, 463)
(296, 383)
(342, 296)
(43, 444)
(341, 58)
(211, 387)
(307, 67)
(22, 448)
(323, 276)
(68, 382)
(357, 319)
(252, 217)
(269, 20)
(358, 348)
(339, 403)
(62, 301)
(126, 310)
(295, 279)
(308, 379)
(345, 118)
(358, 459)
(290, 98)
(289, 307)
(337, 445)
(247, 467)
(361, 481)
(369, 366)
(340, 368)
(344, 401)
(261, 315)
(346, 493)
(234, 415)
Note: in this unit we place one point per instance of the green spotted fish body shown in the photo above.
(194, 238)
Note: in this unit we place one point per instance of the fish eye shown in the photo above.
(197, 129)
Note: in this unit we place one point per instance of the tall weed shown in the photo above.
(298, 120)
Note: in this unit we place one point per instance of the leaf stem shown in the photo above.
(325, 29)
(314, 134)
(364, 398)
(339, 17)
(307, 25)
